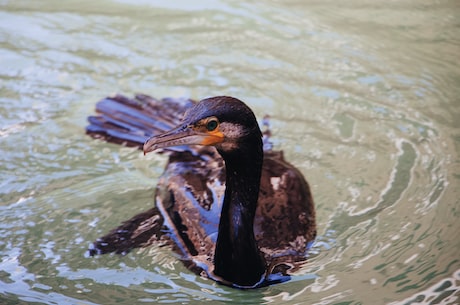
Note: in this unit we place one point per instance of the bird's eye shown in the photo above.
(212, 124)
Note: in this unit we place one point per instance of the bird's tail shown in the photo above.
(130, 122)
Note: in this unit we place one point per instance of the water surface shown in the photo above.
(364, 99)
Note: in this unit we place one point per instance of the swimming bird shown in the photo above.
(237, 213)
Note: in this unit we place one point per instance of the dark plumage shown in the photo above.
(239, 221)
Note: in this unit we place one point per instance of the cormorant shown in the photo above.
(235, 209)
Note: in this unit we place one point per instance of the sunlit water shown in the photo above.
(364, 99)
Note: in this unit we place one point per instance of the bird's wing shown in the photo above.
(285, 218)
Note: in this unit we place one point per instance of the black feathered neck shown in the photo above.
(237, 258)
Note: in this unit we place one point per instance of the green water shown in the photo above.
(364, 100)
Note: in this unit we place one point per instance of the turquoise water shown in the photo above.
(364, 100)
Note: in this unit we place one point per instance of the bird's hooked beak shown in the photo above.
(183, 135)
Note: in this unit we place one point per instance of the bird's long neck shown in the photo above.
(237, 258)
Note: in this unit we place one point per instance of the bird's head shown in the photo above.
(221, 121)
